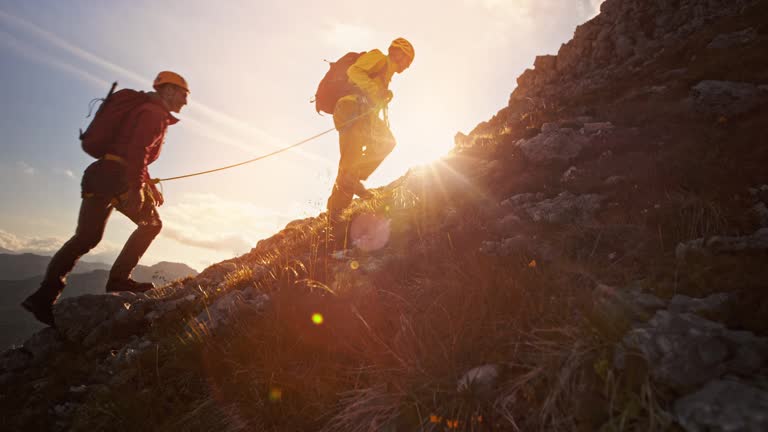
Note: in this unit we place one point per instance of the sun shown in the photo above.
(420, 141)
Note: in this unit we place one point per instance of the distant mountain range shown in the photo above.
(27, 265)
(21, 274)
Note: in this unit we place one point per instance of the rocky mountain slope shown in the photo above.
(591, 258)
(17, 324)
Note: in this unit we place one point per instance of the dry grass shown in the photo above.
(693, 217)
(394, 341)
(388, 356)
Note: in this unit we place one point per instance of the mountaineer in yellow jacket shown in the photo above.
(364, 138)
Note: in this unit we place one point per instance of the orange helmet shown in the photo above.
(405, 47)
(168, 77)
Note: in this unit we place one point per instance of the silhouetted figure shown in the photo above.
(135, 125)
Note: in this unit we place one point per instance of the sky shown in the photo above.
(252, 67)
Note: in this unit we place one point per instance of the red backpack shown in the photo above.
(101, 133)
(334, 84)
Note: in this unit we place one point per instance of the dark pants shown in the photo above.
(94, 213)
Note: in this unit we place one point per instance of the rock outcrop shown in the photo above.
(591, 258)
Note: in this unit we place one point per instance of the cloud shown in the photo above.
(47, 245)
(15, 243)
(513, 21)
(192, 237)
(211, 222)
(214, 123)
(66, 173)
(25, 168)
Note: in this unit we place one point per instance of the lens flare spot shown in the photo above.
(275, 394)
(369, 232)
(317, 318)
(354, 265)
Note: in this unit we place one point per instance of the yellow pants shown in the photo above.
(364, 142)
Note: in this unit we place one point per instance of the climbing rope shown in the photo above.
(304, 141)
(158, 180)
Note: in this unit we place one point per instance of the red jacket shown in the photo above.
(141, 137)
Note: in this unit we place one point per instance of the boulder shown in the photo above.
(761, 209)
(480, 381)
(614, 311)
(43, 343)
(757, 242)
(684, 350)
(520, 200)
(614, 180)
(569, 175)
(94, 319)
(565, 208)
(550, 127)
(590, 128)
(554, 145)
(724, 405)
(726, 98)
(735, 39)
(682, 303)
(224, 308)
(506, 224)
(217, 272)
(183, 303)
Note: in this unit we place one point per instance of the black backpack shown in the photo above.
(334, 84)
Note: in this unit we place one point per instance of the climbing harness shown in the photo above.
(114, 200)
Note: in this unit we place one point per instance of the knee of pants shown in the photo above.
(84, 242)
(152, 228)
(346, 110)
(384, 141)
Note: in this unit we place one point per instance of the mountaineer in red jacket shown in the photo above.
(118, 180)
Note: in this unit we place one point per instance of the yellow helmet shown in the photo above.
(168, 77)
(404, 46)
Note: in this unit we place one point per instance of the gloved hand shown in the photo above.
(384, 96)
(154, 193)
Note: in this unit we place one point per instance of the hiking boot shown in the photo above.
(129, 285)
(361, 191)
(41, 308)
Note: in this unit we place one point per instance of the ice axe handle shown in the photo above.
(111, 90)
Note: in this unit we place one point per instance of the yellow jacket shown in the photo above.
(371, 73)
